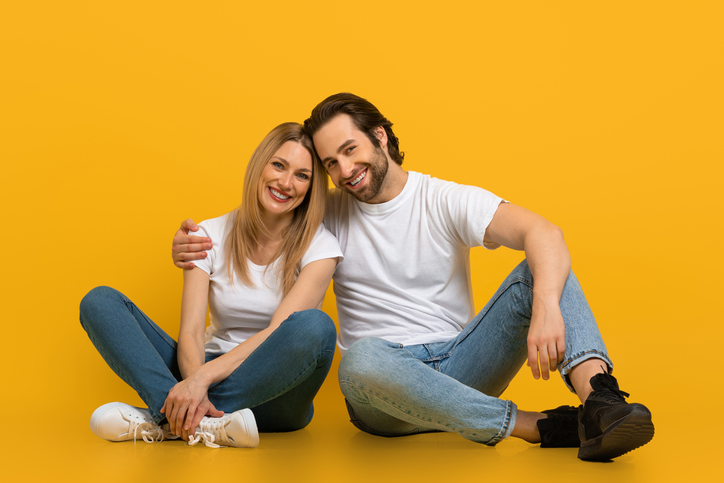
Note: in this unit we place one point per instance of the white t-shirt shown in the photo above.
(406, 272)
(238, 312)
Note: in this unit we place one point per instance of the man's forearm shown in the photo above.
(549, 261)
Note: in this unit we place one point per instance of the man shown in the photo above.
(416, 358)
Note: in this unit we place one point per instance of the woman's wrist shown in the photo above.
(202, 375)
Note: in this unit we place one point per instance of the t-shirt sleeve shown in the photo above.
(206, 228)
(468, 211)
(324, 245)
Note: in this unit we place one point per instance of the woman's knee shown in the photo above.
(312, 326)
(96, 300)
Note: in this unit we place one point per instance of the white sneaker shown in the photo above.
(121, 422)
(237, 429)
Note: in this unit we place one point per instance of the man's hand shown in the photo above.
(186, 404)
(546, 339)
(187, 247)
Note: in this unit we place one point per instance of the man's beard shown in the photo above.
(376, 172)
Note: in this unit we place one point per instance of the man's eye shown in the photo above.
(331, 164)
(350, 149)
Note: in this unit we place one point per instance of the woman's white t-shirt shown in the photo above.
(239, 311)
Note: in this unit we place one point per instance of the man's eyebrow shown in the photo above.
(339, 150)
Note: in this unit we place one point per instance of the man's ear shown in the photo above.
(381, 135)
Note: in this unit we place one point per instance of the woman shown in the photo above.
(267, 347)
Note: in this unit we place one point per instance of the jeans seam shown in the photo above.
(164, 336)
(504, 429)
(363, 388)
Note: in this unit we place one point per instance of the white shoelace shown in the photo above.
(150, 432)
(210, 430)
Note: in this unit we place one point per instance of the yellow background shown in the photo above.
(120, 119)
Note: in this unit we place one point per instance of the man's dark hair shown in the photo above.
(364, 114)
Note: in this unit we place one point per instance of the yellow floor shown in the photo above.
(331, 449)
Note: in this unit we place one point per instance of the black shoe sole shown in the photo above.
(628, 433)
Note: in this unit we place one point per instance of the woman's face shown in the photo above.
(285, 180)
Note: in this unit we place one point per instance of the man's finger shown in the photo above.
(192, 248)
(184, 265)
(553, 358)
(544, 365)
(181, 241)
(189, 225)
(533, 361)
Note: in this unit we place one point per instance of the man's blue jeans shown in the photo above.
(394, 390)
(278, 381)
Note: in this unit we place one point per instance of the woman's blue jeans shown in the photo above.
(394, 390)
(278, 381)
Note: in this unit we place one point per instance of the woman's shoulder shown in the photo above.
(323, 245)
(218, 226)
(323, 236)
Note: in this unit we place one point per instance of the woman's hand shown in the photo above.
(186, 404)
(546, 339)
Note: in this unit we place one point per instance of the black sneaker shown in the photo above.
(560, 428)
(608, 425)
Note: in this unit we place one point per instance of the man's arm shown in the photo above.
(550, 263)
(187, 248)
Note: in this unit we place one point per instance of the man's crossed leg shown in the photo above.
(393, 390)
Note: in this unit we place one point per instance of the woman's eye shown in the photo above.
(303, 176)
(278, 165)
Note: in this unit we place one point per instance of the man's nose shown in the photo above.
(346, 167)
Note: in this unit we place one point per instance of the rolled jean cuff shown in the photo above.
(576, 359)
(511, 414)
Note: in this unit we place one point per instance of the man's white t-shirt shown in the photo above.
(238, 312)
(406, 272)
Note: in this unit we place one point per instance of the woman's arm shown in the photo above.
(194, 302)
(189, 398)
(307, 293)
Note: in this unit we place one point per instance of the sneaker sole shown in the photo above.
(628, 433)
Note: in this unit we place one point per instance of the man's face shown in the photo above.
(353, 162)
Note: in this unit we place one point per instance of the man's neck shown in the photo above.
(392, 186)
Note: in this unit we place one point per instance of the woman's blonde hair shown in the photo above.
(246, 224)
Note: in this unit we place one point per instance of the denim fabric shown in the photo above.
(394, 390)
(278, 381)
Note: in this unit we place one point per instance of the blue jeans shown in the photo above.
(394, 390)
(278, 381)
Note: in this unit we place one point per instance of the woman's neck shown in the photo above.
(274, 227)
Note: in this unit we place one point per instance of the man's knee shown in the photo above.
(367, 361)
